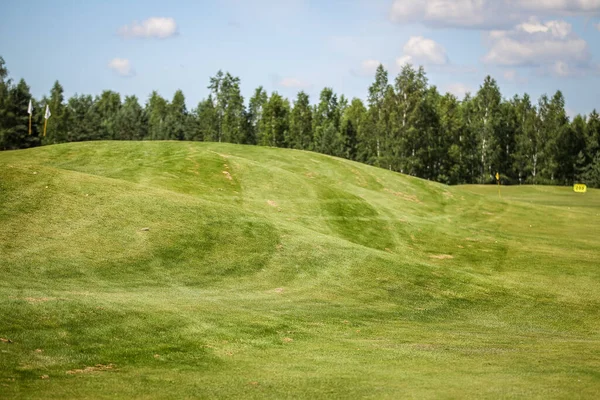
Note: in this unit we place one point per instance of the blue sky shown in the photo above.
(134, 47)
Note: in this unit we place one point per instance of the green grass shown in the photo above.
(272, 273)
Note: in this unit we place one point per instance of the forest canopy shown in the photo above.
(406, 125)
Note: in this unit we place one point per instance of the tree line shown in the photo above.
(405, 125)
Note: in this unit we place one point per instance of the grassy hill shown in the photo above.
(180, 270)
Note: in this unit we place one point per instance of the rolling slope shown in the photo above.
(175, 270)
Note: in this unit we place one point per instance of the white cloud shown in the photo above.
(121, 66)
(485, 14)
(401, 61)
(369, 66)
(292, 83)
(463, 13)
(561, 68)
(538, 44)
(557, 29)
(155, 27)
(559, 7)
(458, 89)
(421, 51)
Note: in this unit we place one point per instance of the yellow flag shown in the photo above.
(498, 180)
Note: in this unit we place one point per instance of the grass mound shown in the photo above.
(170, 270)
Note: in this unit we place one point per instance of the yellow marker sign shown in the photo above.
(580, 188)
(497, 176)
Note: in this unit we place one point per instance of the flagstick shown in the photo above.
(30, 124)
(45, 123)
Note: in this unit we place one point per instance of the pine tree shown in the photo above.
(234, 116)
(274, 124)
(56, 130)
(430, 142)
(192, 126)
(570, 156)
(592, 138)
(591, 172)
(83, 121)
(353, 121)
(553, 122)
(107, 106)
(129, 121)
(176, 119)
(219, 101)
(506, 132)
(5, 84)
(326, 123)
(255, 112)
(340, 141)
(208, 121)
(389, 135)
(449, 151)
(591, 175)
(16, 119)
(300, 133)
(156, 112)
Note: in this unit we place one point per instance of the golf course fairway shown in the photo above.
(205, 270)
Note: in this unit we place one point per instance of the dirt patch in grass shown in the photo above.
(272, 203)
(227, 175)
(423, 347)
(38, 299)
(197, 167)
(359, 178)
(404, 196)
(441, 256)
(35, 299)
(96, 368)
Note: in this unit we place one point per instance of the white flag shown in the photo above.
(47, 115)
(30, 108)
